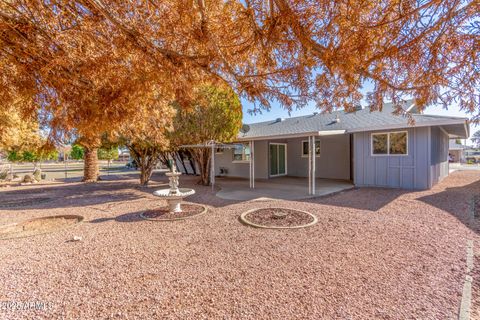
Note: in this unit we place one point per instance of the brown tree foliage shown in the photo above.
(19, 134)
(144, 133)
(84, 63)
(65, 63)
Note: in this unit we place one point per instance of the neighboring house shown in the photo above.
(368, 148)
(456, 151)
(472, 155)
(124, 155)
(63, 152)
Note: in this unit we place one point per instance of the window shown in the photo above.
(391, 143)
(380, 143)
(219, 150)
(305, 148)
(241, 152)
(398, 143)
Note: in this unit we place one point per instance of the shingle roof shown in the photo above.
(361, 120)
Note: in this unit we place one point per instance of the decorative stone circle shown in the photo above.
(38, 226)
(189, 210)
(23, 202)
(278, 218)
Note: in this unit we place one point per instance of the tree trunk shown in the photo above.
(147, 163)
(202, 157)
(90, 170)
(146, 170)
(147, 159)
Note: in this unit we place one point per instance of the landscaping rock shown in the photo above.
(28, 178)
(37, 174)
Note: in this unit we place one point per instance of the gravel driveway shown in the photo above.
(375, 253)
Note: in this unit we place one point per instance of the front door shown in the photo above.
(278, 159)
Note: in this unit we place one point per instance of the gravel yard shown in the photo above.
(375, 253)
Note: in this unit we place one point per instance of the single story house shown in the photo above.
(368, 148)
(472, 155)
(456, 151)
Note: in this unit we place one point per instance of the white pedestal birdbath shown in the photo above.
(174, 195)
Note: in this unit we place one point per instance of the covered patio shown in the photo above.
(285, 188)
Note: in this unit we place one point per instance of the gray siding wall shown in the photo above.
(425, 165)
(439, 155)
(408, 172)
(242, 169)
(333, 162)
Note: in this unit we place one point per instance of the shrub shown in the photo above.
(77, 152)
(14, 156)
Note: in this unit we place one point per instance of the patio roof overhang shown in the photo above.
(294, 135)
(214, 144)
(457, 131)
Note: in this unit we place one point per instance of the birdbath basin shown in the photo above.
(174, 195)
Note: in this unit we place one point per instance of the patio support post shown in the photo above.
(212, 167)
(313, 164)
(309, 165)
(252, 165)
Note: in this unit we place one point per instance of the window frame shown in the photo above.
(243, 160)
(319, 149)
(286, 159)
(388, 154)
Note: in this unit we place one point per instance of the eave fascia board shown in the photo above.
(331, 132)
(403, 126)
(294, 135)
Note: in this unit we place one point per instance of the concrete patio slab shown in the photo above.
(285, 188)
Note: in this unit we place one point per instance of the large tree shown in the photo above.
(19, 134)
(476, 139)
(214, 115)
(74, 70)
(144, 134)
(22, 139)
(83, 63)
